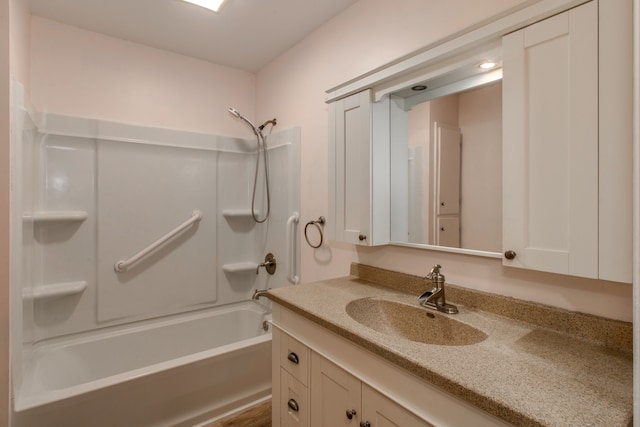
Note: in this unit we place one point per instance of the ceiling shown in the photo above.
(245, 34)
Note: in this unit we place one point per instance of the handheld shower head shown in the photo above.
(235, 113)
(261, 142)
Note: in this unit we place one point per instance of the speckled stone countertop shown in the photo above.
(538, 366)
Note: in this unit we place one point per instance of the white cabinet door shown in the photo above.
(338, 399)
(447, 157)
(359, 163)
(448, 231)
(352, 158)
(379, 411)
(335, 395)
(550, 138)
(446, 180)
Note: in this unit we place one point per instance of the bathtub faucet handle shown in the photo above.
(269, 264)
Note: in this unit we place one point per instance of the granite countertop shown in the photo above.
(523, 373)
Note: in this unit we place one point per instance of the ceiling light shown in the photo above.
(214, 5)
(487, 65)
(419, 88)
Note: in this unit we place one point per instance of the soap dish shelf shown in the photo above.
(54, 290)
(240, 267)
(56, 216)
(238, 214)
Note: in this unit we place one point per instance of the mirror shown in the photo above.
(446, 164)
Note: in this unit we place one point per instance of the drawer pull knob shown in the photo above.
(362, 237)
(293, 405)
(351, 413)
(293, 358)
(510, 254)
(365, 424)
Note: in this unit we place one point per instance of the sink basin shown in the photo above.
(412, 322)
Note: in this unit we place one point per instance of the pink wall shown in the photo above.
(20, 39)
(86, 74)
(367, 35)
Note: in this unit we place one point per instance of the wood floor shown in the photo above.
(258, 416)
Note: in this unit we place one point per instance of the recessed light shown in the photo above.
(487, 65)
(214, 5)
(418, 88)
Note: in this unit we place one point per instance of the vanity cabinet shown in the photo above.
(358, 164)
(321, 379)
(558, 164)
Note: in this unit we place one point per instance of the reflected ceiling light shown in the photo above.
(419, 88)
(214, 5)
(487, 65)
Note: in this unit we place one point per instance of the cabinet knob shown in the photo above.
(351, 413)
(510, 254)
(362, 237)
(293, 405)
(293, 358)
(365, 424)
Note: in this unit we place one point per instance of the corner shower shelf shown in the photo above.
(238, 213)
(56, 216)
(54, 290)
(240, 267)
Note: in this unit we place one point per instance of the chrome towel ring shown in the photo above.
(319, 223)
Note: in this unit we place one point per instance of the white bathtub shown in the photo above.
(180, 370)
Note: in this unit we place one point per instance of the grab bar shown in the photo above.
(122, 265)
(291, 249)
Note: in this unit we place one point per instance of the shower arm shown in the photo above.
(271, 122)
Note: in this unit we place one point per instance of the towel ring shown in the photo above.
(318, 223)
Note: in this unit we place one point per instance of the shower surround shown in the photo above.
(89, 194)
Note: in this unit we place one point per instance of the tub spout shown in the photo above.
(257, 294)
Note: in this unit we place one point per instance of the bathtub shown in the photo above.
(177, 371)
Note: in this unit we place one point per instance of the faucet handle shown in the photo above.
(435, 271)
(269, 264)
(436, 278)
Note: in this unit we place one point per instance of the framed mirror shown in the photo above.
(446, 163)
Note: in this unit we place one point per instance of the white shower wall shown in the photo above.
(122, 187)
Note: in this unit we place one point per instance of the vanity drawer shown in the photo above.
(294, 358)
(294, 401)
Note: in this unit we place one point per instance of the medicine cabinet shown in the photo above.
(560, 164)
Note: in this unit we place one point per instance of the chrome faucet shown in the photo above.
(434, 298)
